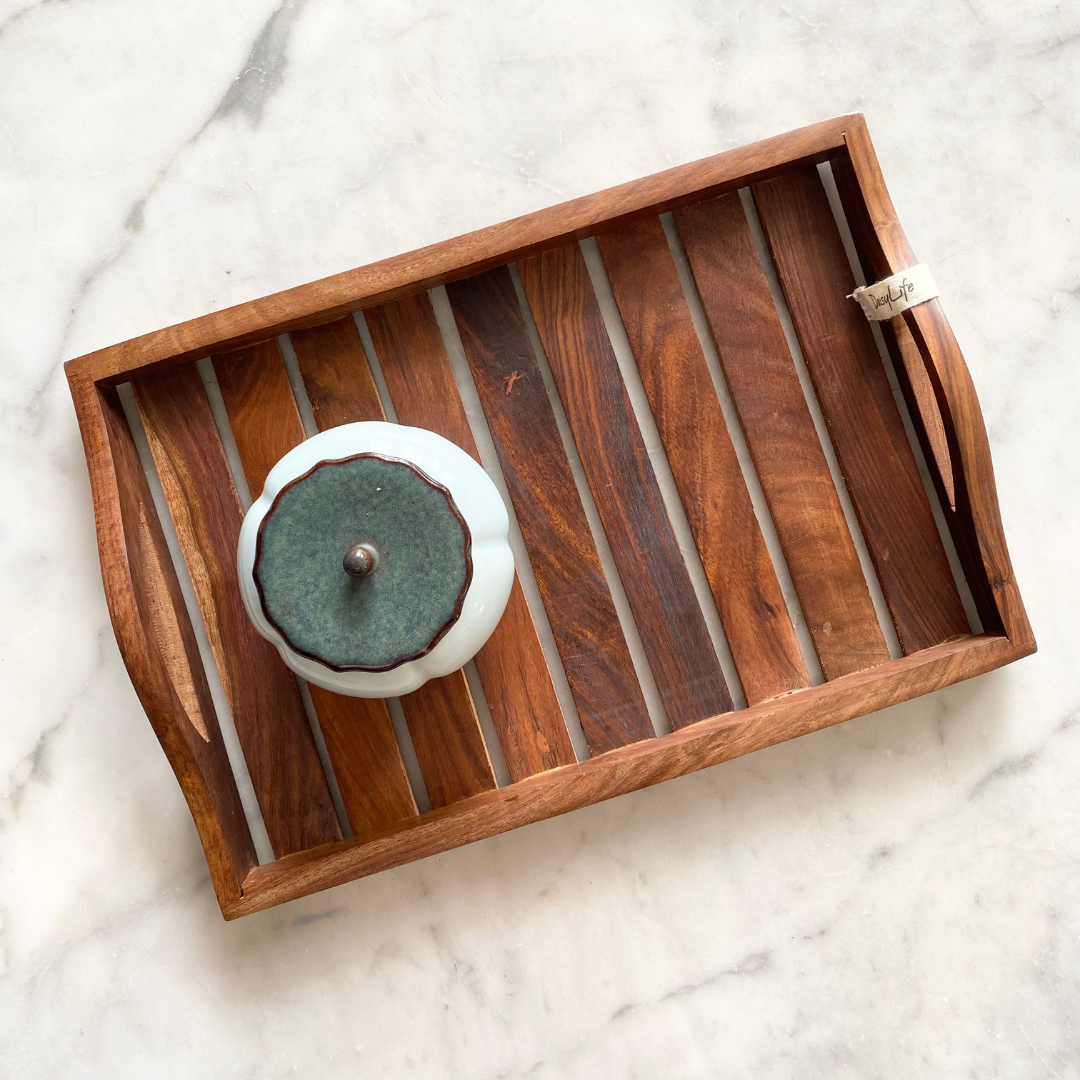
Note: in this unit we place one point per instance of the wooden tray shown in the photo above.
(878, 462)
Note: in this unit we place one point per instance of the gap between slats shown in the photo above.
(642, 668)
(233, 749)
(206, 371)
(661, 467)
(483, 712)
(876, 595)
(742, 452)
(842, 224)
(393, 705)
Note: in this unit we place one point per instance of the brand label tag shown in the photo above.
(895, 294)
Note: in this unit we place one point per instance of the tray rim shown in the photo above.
(241, 885)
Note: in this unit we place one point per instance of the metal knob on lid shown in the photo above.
(360, 560)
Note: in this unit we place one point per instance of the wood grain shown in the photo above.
(358, 733)
(441, 715)
(337, 377)
(262, 693)
(549, 512)
(363, 749)
(703, 460)
(624, 488)
(781, 436)
(156, 639)
(262, 410)
(864, 423)
(645, 763)
(511, 666)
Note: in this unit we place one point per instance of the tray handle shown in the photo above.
(965, 473)
(155, 635)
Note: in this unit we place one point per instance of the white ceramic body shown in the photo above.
(481, 506)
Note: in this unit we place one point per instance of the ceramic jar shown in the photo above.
(376, 558)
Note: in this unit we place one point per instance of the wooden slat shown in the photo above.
(441, 716)
(359, 733)
(781, 437)
(624, 488)
(156, 639)
(864, 422)
(363, 749)
(511, 666)
(549, 512)
(703, 460)
(262, 693)
(337, 377)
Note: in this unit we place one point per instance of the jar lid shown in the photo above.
(363, 563)
(375, 558)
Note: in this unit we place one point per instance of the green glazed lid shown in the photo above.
(363, 563)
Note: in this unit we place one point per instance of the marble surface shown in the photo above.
(896, 897)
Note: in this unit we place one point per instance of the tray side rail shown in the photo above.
(464, 256)
(628, 768)
(975, 523)
(156, 638)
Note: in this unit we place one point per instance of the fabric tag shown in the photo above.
(891, 295)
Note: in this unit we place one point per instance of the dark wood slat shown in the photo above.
(703, 461)
(864, 422)
(627, 496)
(359, 734)
(441, 716)
(262, 693)
(517, 684)
(781, 437)
(549, 512)
(337, 377)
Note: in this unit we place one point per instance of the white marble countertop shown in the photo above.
(895, 897)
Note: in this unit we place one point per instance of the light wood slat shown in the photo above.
(511, 666)
(781, 436)
(441, 716)
(363, 749)
(864, 423)
(627, 496)
(549, 512)
(359, 734)
(703, 462)
(262, 693)
(156, 638)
